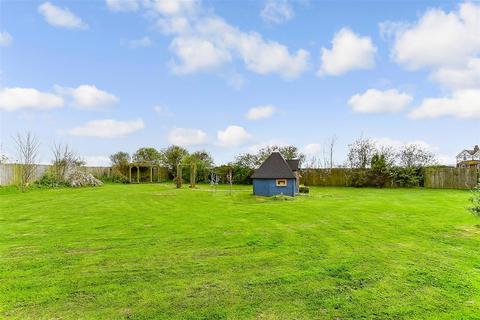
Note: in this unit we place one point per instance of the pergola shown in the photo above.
(148, 166)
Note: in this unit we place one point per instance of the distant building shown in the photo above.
(276, 176)
(469, 158)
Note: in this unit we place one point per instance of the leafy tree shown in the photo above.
(246, 160)
(380, 170)
(202, 161)
(120, 161)
(360, 153)
(288, 152)
(171, 157)
(147, 155)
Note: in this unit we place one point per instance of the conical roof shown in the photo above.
(275, 167)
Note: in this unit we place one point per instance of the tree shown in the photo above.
(172, 156)
(147, 155)
(120, 162)
(360, 153)
(380, 170)
(201, 161)
(415, 156)
(64, 161)
(288, 152)
(28, 148)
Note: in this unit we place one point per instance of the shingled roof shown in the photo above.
(275, 167)
(294, 164)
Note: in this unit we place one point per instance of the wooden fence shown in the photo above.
(10, 173)
(437, 178)
(451, 178)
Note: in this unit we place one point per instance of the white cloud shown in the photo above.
(174, 7)
(312, 149)
(439, 38)
(462, 77)
(196, 54)
(376, 101)
(204, 41)
(187, 137)
(349, 52)
(12, 99)
(398, 144)
(123, 5)
(461, 104)
(233, 136)
(162, 111)
(261, 112)
(97, 161)
(107, 128)
(277, 11)
(61, 17)
(140, 43)
(89, 97)
(5, 39)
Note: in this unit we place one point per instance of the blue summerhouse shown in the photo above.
(276, 176)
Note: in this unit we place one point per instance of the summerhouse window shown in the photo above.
(281, 182)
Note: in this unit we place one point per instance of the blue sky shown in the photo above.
(230, 76)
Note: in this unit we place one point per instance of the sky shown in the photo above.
(232, 76)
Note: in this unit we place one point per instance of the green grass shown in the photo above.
(153, 252)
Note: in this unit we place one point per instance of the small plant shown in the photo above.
(475, 208)
(304, 189)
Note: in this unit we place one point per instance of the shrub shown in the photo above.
(358, 178)
(304, 189)
(475, 208)
(114, 179)
(49, 180)
(407, 177)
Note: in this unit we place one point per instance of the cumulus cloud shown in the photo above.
(439, 38)
(448, 44)
(123, 5)
(233, 136)
(107, 128)
(187, 137)
(140, 43)
(461, 104)
(459, 77)
(12, 99)
(277, 11)
(5, 39)
(261, 112)
(204, 41)
(89, 97)
(376, 101)
(195, 54)
(349, 52)
(60, 17)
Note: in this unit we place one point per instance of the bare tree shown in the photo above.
(28, 148)
(64, 161)
(330, 145)
(415, 156)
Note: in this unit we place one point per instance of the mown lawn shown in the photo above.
(153, 252)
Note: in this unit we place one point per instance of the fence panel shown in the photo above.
(451, 178)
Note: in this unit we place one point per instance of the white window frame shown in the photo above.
(281, 182)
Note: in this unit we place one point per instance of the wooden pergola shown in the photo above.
(139, 166)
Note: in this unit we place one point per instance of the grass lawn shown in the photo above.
(153, 252)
